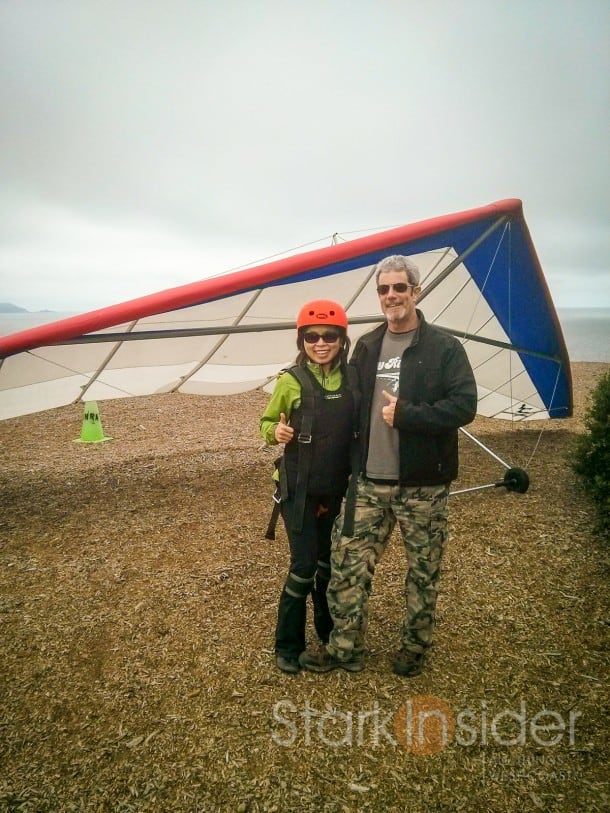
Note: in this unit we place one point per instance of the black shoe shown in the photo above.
(325, 662)
(287, 664)
(408, 664)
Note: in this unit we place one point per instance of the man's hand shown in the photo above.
(389, 409)
(283, 432)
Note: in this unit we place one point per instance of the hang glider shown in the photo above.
(481, 281)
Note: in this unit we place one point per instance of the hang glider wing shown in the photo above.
(481, 281)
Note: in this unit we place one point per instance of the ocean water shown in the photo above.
(586, 330)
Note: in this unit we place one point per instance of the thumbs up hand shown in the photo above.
(283, 432)
(389, 409)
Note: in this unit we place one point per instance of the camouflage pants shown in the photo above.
(421, 514)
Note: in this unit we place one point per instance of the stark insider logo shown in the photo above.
(423, 725)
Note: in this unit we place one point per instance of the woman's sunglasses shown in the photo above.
(311, 337)
(399, 287)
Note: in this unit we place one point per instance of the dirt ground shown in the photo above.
(137, 608)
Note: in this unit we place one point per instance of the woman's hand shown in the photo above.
(283, 433)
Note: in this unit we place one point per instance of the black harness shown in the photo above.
(304, 440)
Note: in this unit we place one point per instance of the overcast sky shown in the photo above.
(150, 143)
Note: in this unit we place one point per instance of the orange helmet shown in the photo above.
(322, 312)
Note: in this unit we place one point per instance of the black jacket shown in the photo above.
(437, 394)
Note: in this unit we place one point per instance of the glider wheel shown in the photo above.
(516, 480)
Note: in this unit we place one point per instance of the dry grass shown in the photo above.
(137, 608)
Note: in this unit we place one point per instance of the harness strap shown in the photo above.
(305, 454)
(279, 495)
(305, 448)
(349, 505)
(275, 513)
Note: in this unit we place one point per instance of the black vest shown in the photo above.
(331, 436)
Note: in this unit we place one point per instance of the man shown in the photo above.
(417, 388)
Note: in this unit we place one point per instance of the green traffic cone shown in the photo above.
(91, 431)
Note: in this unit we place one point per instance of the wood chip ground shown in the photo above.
(137, 608)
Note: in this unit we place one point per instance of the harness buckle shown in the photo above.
(304, 438)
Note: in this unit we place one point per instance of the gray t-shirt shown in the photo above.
(382, 461)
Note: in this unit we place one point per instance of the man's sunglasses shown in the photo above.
(399, 287)
(311, 337)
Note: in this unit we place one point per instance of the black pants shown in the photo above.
(309, 573)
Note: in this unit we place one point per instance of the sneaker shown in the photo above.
(408, 664)
(287, 664)
(325, 662)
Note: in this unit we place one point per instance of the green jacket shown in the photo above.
(287, 397)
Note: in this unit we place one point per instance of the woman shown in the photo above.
(312, 413)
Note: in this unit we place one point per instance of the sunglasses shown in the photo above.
(311, 337)
(399, 287)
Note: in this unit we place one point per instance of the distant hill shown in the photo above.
(7, 307)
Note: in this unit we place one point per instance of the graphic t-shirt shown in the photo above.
(382, 461)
